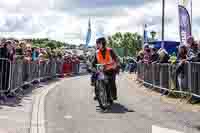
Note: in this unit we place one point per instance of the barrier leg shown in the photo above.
(3, 98)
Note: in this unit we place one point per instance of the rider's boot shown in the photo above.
(95, 98)
(111, 102)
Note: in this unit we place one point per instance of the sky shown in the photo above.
(67, 20)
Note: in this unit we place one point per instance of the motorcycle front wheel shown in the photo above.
(102, 94)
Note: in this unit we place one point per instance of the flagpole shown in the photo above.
(163, 23)
(88, 36)
(191, 15)
(143, 35)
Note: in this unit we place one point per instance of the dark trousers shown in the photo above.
(5, 74)
(112, 83)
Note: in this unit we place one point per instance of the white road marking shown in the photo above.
(68, 117)
(4, 117)
(38, 119)
(3, 131)
(157, 129)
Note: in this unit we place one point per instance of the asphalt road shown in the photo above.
(70, 108)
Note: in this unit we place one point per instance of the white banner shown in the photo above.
(184, 24)
(188, 5)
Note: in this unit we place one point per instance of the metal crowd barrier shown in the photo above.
(5, 75)
(140, 72)
(195, 78)
(59, 67)
(14, 75)
(18, 74)
(166, 77)
(75, 68)
(156, 74)
(23, 72)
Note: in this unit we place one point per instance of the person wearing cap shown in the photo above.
(106, 56)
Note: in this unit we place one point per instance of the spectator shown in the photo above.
(163, 56)
(4, 51)
(193, 51)
(19, 51)
(123, 64)
(59, 54)
(35, 54)
(28, 47)
(190, 41)
(154, 56)
(5, 65)
(43, 55)
(199, 45)
(8, 51)
(12, 54)
(147, 54)
(49, 54)
(28, 55)
(173, 58)
(53, 52)
(182, 54)
(132, 66)
(180, 71)
(140, 56)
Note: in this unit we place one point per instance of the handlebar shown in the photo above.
(103, 64)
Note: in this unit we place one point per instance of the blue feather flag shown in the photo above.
(145, 34)
(88, 38)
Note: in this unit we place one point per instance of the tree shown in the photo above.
(51, 45)
(110, 41)
(117, 39)
(130, 42)
(45, 42)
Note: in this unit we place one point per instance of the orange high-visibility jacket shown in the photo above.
(108, 61)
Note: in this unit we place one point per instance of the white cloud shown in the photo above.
(67, 20)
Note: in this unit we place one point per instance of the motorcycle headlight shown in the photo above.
(101, 68)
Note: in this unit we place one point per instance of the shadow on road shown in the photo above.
(14, 101)
(117, 108)
(197, 127)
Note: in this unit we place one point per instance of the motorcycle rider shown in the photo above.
(106, 56)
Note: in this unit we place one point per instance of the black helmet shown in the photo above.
(101, 40)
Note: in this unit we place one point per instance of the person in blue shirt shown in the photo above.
(35, 54)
